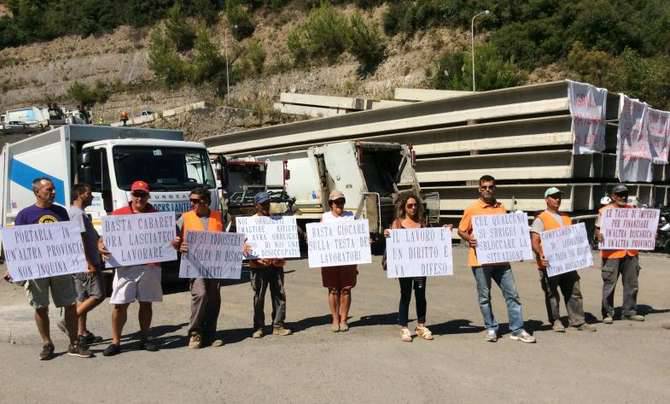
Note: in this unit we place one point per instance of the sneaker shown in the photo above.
(47, 352)
(80, 350)
(148, 345)
(195, 342)
(258, 333)
(558, 326)
(405, 335)
(112, 349)
(523, 336)
(586, 327)
(91, 338)
(491, 335)
(281, 331)
(608, 320)
(217, 343)
(634, 317)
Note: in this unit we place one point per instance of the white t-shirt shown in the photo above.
(330, 217)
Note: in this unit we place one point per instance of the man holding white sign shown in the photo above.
(552, 219)
(205, 293)
(500, 272)
(135, 282)
(618, 261)
(63, 293)
(268, 272)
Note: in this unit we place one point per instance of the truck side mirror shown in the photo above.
(85, 169)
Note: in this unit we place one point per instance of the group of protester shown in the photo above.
(79, 294)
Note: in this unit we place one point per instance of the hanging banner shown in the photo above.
(629, 229)
(337, 243)
(587, 108)
(419, 252)
(502, 238)
(141, 238)
(633, 151)
(657, 127)
(567, 249)
(43, 250)
(212, 255)
(270, 236)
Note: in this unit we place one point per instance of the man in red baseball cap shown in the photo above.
(136, 282)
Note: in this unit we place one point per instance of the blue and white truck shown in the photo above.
(109, 159)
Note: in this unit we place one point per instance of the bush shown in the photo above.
(366, 44)
(164, 61)
(253, 60)
(454, 71)
(208, 65)
(322, 36)
(239, 19)
(89, 96)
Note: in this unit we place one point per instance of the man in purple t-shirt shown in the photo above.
(62, 287)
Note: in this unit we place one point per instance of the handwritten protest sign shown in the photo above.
(419, 252)
(629, 229)
(343, 242)
(270, 236)
(140, 238)
(43, 250)
(567, 249)
(212, 255)
(502, 238)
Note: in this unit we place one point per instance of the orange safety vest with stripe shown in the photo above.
(550, 223)
(616, 254)
(193, 223)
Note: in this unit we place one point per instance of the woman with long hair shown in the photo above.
(409, 215)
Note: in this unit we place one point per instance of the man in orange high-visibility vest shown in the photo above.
(619, 262)
(205, 293)
(568, 282)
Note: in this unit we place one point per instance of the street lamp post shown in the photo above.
(472, 38)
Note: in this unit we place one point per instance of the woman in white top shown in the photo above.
(338, 279)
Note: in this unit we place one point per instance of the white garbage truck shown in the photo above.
(109, 159)
(370, 174)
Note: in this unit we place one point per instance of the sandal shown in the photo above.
(405, 335)
(344, 327)
(424, 333)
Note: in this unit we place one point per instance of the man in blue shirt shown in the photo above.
(62, 287)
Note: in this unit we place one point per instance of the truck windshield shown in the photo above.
(164, 168)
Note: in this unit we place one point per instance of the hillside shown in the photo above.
(425, 54)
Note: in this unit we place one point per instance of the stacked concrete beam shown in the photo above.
(519, 135)
(318, 106)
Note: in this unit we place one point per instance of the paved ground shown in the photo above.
(623, 362)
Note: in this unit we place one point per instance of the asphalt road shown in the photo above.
(623, 362)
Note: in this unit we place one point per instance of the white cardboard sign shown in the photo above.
(629, 229)
(419, 252)
(140, 238)
(567, 249)
(212, 255)
(270, 236)
(43, 250)
(342, 242)
(502, 238)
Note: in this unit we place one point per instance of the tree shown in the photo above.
(366, 44)
(164, 61)
(178, 30)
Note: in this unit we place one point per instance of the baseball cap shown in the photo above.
(262, 197)
(552, 191)
(619, 189)
(139, 186)
(335, 195)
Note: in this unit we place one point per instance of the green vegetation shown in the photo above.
(239, 19)
(88, 96)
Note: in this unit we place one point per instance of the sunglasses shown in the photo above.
(340, 201)
(140, 194)
(483, 187)
(623, 195)
(411, 205)
(196, 201)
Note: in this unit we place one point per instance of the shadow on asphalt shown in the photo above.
(460, 326)
(375, 319)
(305, 323)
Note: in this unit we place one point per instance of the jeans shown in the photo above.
(273, 277)
(503, 276)
(569, 285)
(629, 268)
(406, 286)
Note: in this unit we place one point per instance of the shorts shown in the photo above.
(62, 291)
(89, 285)
(138, 282)
(339, 277)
